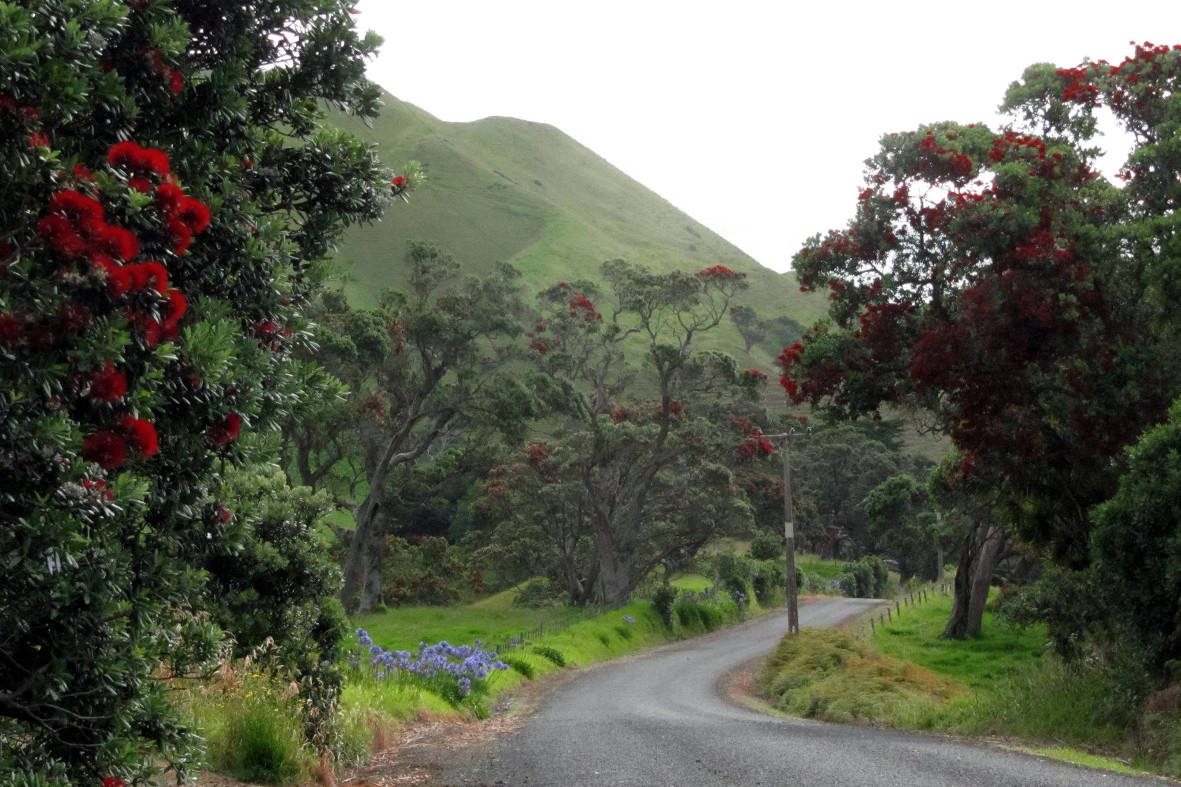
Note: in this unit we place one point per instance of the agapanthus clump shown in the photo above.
(458, 673)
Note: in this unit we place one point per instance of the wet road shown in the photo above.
(661, 719)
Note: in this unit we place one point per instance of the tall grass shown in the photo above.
(252, 729)
(837, 676)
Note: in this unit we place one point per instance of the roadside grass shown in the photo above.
(490, 620)
(999, 652)
(837, 676)
(1001, 685)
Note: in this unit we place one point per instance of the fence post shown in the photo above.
(872, 629)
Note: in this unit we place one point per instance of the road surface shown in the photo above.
(661, 719)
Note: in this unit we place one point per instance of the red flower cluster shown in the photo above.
(756, 446)
(107, 384)
(109, 448)
(755, 375)
(225, 430)
(139, 160)
(183, 215)
(674, 409)
(74, 227)
(940, 163)
(271, 335)
(720, 272)
(581, 303)
(173, 77)
(99, 488)
(12, 330)
(538, 453)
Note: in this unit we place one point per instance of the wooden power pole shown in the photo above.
(789, 531)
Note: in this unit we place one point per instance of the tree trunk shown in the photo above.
(362, 566)
(982, 551)
(615, 572)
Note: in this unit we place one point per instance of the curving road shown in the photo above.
(659, 719)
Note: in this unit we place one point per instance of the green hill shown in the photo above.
(526, 193)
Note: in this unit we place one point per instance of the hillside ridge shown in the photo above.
(505, 189)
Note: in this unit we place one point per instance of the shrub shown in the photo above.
(733, 572)
(688, 613)
(662, 602)
(541, 592)
(424, 571)
(769, 575)
(520, 666)
(767, 546)
(553, 654)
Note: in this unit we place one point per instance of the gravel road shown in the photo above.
(660, 719)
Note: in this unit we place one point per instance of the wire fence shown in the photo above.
(894, 609)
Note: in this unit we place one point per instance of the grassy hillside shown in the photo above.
(506, 189)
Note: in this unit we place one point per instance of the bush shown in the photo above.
(520, 666)
(424, 571)
(733, 572)
(767, 546)
(769, 576)
(688, 613)
(865, 578)
(662, 602)
(553, 654)
(539, 593)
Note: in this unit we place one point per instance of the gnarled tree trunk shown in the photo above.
(983, 547)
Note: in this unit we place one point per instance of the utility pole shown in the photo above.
(789, 531)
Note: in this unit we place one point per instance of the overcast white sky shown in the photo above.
(753, 117)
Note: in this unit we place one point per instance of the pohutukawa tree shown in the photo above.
(431, 360)
(166, 196)
(635, 480)
(996, 284)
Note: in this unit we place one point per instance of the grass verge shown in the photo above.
(905, 675)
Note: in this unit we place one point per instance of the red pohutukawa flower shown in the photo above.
(140, 434)
(107, 449)
(12, 329)
(107, 384)
(138, 160)
(720, 272)
(111, 781)
(225, 430)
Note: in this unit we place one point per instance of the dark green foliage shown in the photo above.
(865, 578)
(767, 576)
(150, 299)
(540, 592)
(279, 584)
(423, 570)
(733, 572)
(1136, 545)
(662, 601)
(551, 653)
(767, 546)
(521, 665)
